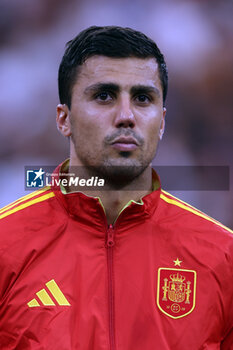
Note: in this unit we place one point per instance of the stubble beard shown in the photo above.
(117, 172)
(123, 173)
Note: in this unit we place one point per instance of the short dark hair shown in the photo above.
(109, 41)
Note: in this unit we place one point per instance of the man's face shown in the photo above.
(116, 115)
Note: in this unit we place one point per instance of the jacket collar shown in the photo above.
(89, 210)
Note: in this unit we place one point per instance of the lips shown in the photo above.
(125, 144)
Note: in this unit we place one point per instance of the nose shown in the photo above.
(124, 115)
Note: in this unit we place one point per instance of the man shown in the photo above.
(128, 267)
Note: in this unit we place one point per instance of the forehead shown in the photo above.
(125, 72)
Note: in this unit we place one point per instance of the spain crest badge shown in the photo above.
(176, 291)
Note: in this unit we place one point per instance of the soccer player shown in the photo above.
(126, 266)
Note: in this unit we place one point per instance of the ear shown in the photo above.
(63, 120)
(162, 125)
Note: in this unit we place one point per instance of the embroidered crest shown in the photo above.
(176, 291)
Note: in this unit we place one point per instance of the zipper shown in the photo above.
(110, 245)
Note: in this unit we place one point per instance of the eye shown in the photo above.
(103, 96)
(143, 99)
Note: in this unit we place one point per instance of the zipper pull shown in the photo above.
(110, 238)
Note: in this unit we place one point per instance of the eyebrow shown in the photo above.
(102, 87)
(136, 89)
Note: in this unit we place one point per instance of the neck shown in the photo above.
(114, 200)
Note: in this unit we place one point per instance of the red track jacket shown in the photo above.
(160, 278)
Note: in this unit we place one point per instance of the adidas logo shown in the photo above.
(46, 299)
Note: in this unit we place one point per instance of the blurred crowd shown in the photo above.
(196, 39)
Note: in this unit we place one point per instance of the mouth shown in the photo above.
(125, 144)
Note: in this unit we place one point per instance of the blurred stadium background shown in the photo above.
(196, 39)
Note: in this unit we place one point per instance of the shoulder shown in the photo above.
(190, 221)
(26, 204)
(27, 214)
(184, 209)
(202, 239)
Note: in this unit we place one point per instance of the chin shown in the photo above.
(120, 174)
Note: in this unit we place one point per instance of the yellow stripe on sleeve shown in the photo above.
(27, 204)
(192, 210)
(24, 198)
(180, 200)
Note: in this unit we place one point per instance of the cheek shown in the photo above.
(87, 120)
(150, 121)
(152, 134)
(87, 134)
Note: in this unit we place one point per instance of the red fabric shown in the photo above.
(109, 276)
